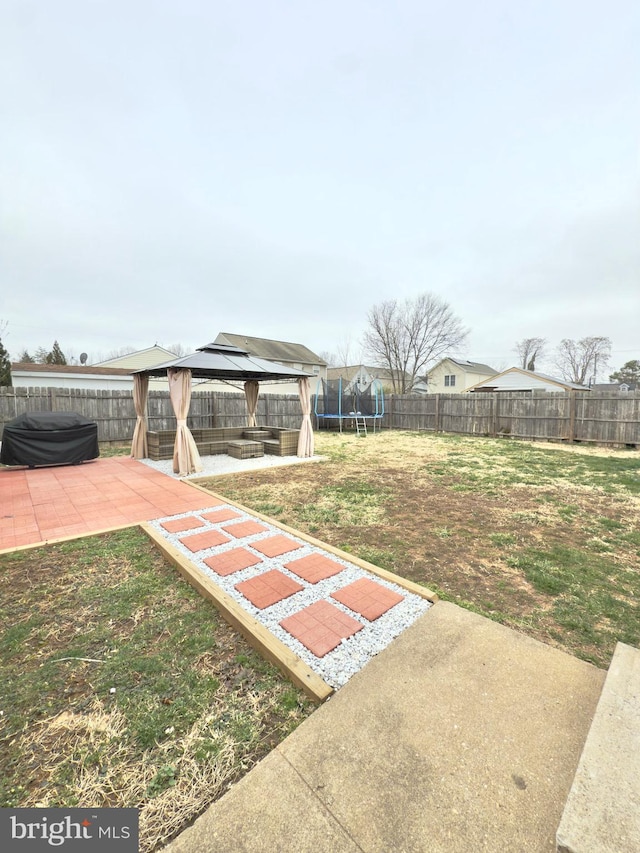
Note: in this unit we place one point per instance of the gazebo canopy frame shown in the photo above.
(214, 361)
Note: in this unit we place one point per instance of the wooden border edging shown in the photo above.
(256, 634)
(59, 539)
(410, 586)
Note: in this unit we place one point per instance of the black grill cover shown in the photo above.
(49, 438)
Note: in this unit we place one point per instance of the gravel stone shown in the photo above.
(348, 658)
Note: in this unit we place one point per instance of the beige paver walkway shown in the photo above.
(41, 504)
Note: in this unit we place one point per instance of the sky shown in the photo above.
(172, 170)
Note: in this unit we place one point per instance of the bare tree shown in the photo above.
(118, 353)
(529, 350)
(407, 337)
(330, 357)
(179, 350)
(345, 357)
(579, 361)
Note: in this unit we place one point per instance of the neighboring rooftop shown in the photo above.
(282, 351)
(139, 359)
(348, 373)
(519, 379)
(73, 369)
(468, 366)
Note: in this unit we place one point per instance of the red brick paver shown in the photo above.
(320, 627)
(221, 515)
(41, 504)
(314, 568)
(368, 598)
(177, 525)
(232, 561)
(268, 588)
(245, 528)
(274, 546)
(202, 541)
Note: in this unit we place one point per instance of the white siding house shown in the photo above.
(518, 379)
(111, 375)
(27, 375)
(140, 359)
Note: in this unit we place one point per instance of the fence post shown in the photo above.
(572, 416)
(436, 424)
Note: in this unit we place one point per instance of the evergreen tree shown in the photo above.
(629, 372)
(56, 356)
(5, 366)
(26, 358)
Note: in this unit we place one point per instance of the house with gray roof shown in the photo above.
(361, 376)
(290, 354)
(454, 375)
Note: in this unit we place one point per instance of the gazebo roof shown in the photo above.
(220, 361)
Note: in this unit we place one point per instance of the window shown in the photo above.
(450, 380)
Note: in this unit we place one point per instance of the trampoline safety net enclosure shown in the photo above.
(49, 438)
(340, 400)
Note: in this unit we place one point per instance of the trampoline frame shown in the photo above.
(341, 416)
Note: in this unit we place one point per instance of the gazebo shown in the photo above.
(214, 361)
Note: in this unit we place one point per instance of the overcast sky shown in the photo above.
(171, 170)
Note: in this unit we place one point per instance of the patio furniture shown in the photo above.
(243, 449)
(276, 441)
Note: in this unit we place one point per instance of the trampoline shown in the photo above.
(337, 401)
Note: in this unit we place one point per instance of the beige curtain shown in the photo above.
(251, 391)
(305, 442)
(186, 459)
(139, 448)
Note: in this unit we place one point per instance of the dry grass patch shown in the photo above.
(122, 687)
(542, 537)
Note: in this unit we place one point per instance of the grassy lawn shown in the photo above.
(123, 687)
(544, 538)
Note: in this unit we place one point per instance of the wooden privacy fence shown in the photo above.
(115, 415)
(604, 417)
(596, 416)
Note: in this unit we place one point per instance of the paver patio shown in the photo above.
(41, 504)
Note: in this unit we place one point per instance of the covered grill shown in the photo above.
(49, 438)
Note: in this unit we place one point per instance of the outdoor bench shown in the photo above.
(277, 441)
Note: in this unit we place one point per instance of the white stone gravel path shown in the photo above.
(336, 667)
